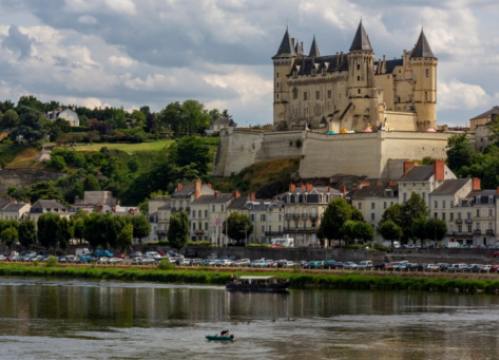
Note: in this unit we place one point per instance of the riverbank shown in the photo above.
(297, 278)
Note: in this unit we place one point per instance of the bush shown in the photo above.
(165, 264)
(51, 261)
(258, 245)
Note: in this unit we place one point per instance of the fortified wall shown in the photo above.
(375, 155)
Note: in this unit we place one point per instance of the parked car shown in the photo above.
(350, 265)
(242, 262)
(365, 265)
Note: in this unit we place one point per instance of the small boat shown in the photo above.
(220, 337)
(258, 284)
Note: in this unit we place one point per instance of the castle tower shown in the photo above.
(314, 49)
(361, 90)
(283, 60)
(424, 65)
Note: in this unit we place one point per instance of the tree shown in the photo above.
(436, 229)
(363, 231)
(390, 230)
(178, 230)
(124, 239)
(191, 151)
(337, 213)
(9, 236)
(141, 226)
(460, 153)
(414, 209)
(64, 233)
(419, 229)
(48, 230)
(27, 233)
(239, 227)
(9, 120)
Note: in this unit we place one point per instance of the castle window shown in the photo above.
(295, 93)
(358, 66)
(427, 73)
(276, 74)
(426, 95)
(329, 94)
(305, 95)
(358, 78)
(358, 91)
(317, 95)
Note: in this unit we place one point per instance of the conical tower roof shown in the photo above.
(361, 40)
(422, 48)
(286, 48)
(314, 49)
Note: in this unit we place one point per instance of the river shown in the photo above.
(59, 319)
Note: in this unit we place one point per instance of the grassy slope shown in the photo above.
(126, 147)
(27, 158)
(265, 177)
(298, 279)
(8, 152)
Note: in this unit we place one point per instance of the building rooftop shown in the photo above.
(47, 204)
(13, 207)
(489, 113)
(375, 191)
(418, 173)
(219, 198)
(422, 48)
(450, 187)
(361, 40)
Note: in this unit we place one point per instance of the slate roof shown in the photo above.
(4, 202)
(391, 64)
(187, 190)
(286, 48)
(375, 191)
(328, 63)
(213, 199)
(418, 173)
(361, 40)
(47, 204)
(314, 49)
(493, 111)
(450, 187)
(13, 207)
(422, 48)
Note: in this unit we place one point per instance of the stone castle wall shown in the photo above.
(378, 154)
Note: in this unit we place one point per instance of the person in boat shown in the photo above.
(224, 333)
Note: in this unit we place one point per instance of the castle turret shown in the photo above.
(424, 65)
(314, 49)
(283, 61)
(361, 89)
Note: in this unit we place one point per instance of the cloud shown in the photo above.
(459, 95)
(134, 52)
(17, 42)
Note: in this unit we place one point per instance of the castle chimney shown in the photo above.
(236, 194)
(197, 188)
(292, 187)
(363, 184)
(439, 170)
(476, 184)
(408, 165)
(343, 189)
(180, 187)
(309, 187)
(253, 196)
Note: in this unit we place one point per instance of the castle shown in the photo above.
(354, 91)
(345, 113)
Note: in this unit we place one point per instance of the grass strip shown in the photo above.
(349, 281)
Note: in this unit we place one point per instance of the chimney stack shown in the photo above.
(292, 187)
(236, 194)
(253, 196)
(309, 187)
(408, 165)
(197, 188)
(497, 191)
(180, 187)
(475, 184)
(439, 170)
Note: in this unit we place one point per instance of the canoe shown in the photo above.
(219, 338)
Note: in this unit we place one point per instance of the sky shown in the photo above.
(130, 53)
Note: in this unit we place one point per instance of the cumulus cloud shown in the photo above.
(18, 42)
(459, 95)
(134, 52)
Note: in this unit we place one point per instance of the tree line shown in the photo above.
(54, 232)
(27, 123)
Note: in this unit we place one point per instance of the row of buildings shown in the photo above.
(471, 213)
(92, 201)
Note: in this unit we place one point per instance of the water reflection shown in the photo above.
(310, 324)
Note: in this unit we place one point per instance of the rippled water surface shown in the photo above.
(49, 319)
